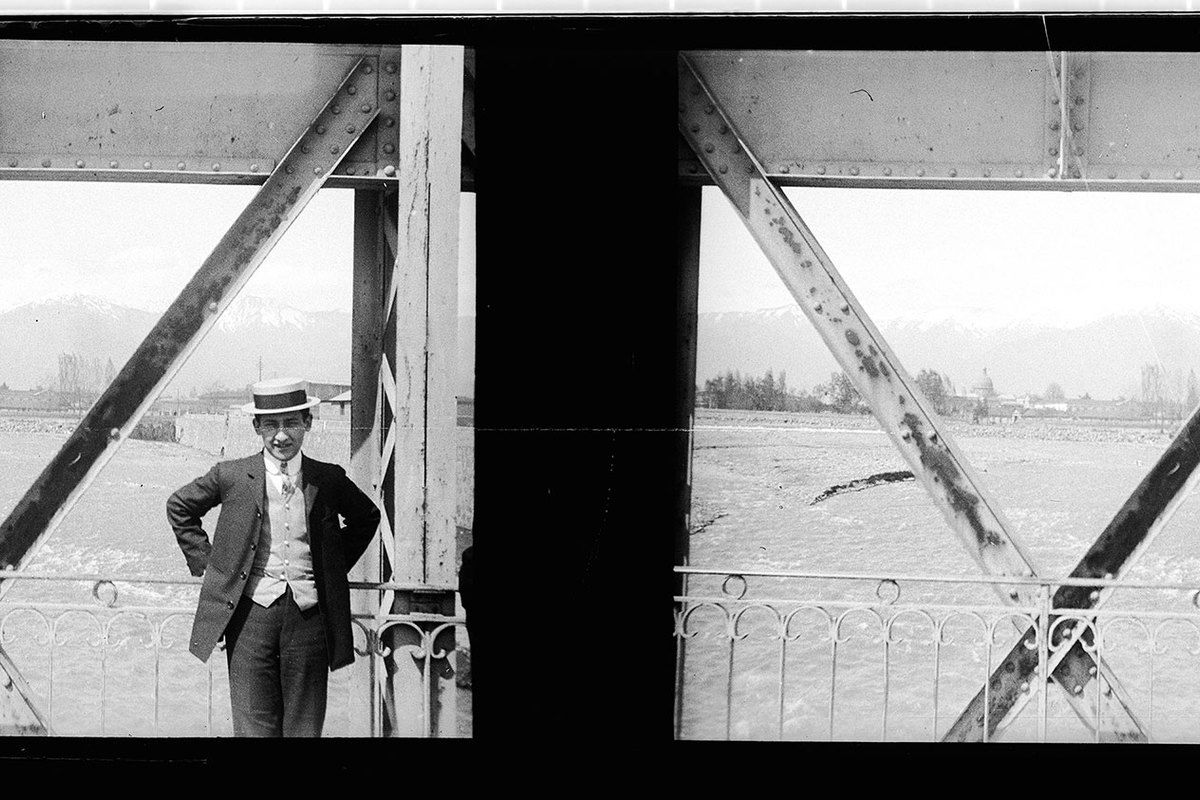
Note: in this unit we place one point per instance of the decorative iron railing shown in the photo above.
(117, 663)
(880, 657)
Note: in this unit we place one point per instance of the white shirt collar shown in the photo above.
(272, 464)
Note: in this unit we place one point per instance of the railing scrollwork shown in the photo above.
(103, 666)
(901, 659)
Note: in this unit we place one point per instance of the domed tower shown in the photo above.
(983, 387)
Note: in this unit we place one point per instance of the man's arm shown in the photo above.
(184, 509)
(361, 516)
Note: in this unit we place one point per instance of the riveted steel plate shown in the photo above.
(1143, 116)
(867, 115)
(217, 108)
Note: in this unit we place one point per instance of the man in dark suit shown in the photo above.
(274, 572)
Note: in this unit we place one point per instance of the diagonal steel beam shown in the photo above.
(21, 711)
(898, 405)
(183, 325)
(856, 343)
(1115, 551)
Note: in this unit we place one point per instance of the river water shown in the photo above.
(754, 480)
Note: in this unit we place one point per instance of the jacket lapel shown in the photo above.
(256, 472)
(312, 483)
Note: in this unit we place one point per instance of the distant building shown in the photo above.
(328, 393)
(223, 401)
(1087, 408)
(336, 407)
(178, 406)
(983, 387)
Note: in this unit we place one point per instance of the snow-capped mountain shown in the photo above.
(249, 311)
(1102, 357)
(253, 330)
(67, 303)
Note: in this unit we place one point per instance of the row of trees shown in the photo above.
(769, 393)
(81, 380)
(1164, 395)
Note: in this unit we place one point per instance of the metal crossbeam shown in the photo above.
(1127, 536)
(891, 394)
(199, 112)
(184, 324)
(1024, 119)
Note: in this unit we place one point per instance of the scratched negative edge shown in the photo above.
(814, 282)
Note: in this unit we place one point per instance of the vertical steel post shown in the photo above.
(365, 419)
(423, 312)
(687, 209)
(1043, 670)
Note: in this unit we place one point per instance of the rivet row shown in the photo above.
(80, 163)
(854, 170)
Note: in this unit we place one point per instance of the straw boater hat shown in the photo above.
(279, 395)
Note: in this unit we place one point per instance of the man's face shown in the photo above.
(283, 434)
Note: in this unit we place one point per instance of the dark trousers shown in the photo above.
(278, 668)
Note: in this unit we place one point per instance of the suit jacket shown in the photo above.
(239, 486)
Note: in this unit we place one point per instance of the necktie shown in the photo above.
(288, 486)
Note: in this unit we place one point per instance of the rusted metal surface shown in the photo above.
(181, 327)
(1114, 552)
(852, 338)
(21, 711)
(890, 393)
(1015, 682)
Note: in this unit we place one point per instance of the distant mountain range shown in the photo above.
(311, 344)
(1102, 358)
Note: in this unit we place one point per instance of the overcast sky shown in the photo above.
(137, 244)
(987, 257)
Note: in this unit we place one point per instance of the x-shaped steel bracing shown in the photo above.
(295, 181)
(903, 412)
